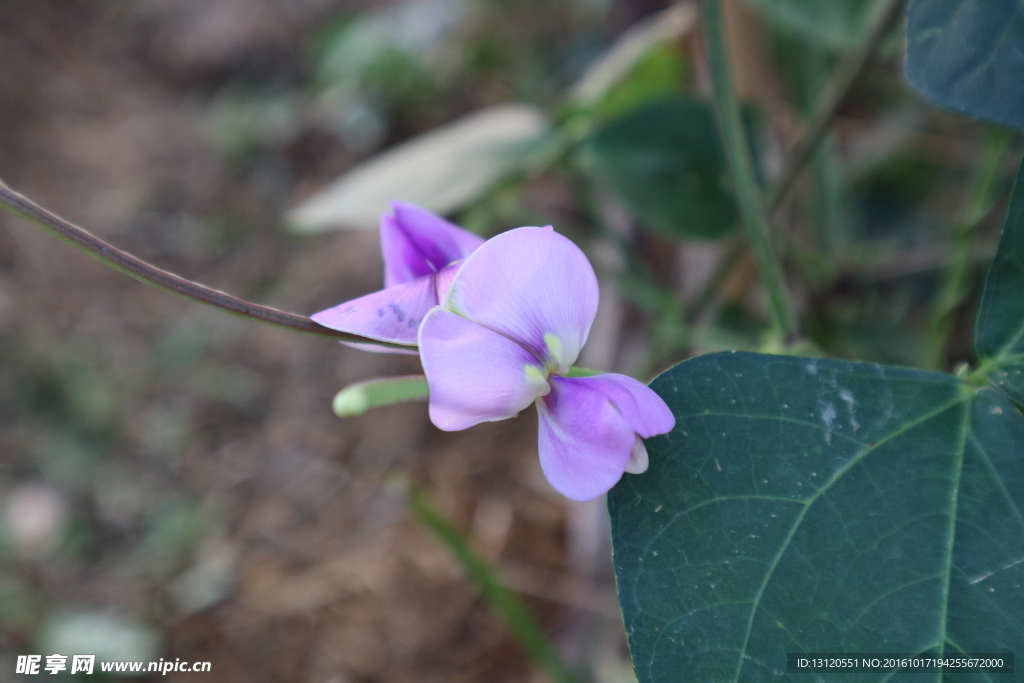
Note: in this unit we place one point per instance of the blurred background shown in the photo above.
(173, 482)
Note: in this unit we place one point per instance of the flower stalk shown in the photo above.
(145, 272)
(748, 193)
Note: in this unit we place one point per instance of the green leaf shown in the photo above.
(664, 161)
(833, 23)
(811, 505)
(616, 66)
(441, 170)
(655, 76)
(969, 56)
(999, 335)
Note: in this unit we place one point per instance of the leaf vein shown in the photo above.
(803, 513)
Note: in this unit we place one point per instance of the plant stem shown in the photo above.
(522, 625)
(747, 191)
(143, 271)
(843, 79)
(956, 284)
(829, 209)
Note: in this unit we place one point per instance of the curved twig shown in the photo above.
(143, 271)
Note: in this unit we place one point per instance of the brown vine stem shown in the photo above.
(842, 81)
(105, 253)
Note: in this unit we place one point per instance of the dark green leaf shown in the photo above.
(655, 76)
(999, 335)
(665, 162)
(810, 505)
(833, 23)
(969, 56)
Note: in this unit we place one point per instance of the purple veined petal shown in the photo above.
(445, 277)
(531, 285)
(475, 374)
(391, 315)
(415, 243)
(585, 443)
(644, 411)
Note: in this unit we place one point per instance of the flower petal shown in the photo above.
(644, 411)
(475, 374)
(376, 348)
(531, 285)
(415, 243)
(585, 442)
(391, 315)
(445, 277)
(638, 458)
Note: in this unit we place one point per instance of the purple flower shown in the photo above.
(509, 326)
(422, 252)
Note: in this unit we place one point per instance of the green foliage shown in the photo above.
(806, 505)
(441, 170)
(389, 55)
(813, 505)
(836, 23)
(999, 336)
(969, 56)
(656, 75)
(664, 161)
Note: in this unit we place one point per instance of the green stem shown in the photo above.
(747, 191)
(828, 205)
(147, 273)
(842, 81)
(828, 181)
(519, 622)
(956, 285)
